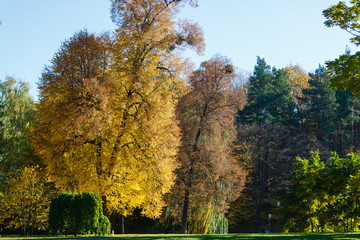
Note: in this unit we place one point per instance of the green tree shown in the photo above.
(269, 97)
(17, 111)
(306, 199)
(346, 17)
(319, 112)
(345, 73)
(343, 176)
(345, 70)
(78, 213)
(347, 122)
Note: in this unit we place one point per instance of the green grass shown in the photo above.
(290, 236)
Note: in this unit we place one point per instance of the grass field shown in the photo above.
(290, 236)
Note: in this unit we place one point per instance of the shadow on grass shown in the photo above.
(292, 236)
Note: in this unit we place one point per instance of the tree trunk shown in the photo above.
(258, 214)
(341, 143)
(258, 197)
(185, 212)
(123, 224)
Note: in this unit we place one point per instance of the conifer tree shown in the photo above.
(347, 122)
(269, 97)
(320, 111)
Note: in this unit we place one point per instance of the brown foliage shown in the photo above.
(208, 174)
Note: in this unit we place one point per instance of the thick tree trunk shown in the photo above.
(185, 212)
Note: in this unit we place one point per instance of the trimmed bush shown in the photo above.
(82, 213)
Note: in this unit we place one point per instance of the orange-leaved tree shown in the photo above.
(73, 116)
(208, 177)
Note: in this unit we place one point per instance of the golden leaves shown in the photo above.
(298, 80)
(26, 201)
(107, 114)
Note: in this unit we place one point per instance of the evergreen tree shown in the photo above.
(319, 112)
(269, 96)
(347, 122)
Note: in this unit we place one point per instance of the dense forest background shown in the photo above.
(173, 149)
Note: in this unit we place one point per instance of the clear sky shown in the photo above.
(281, 31)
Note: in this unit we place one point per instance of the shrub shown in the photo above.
(77, 213)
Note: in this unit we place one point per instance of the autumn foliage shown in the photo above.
(26, 202)
(123, 115)
(106, 119)
(208, 177)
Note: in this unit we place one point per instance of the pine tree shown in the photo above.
(320, 108)
(269, 97)
(347, 121)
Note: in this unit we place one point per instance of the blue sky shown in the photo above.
(281, 31)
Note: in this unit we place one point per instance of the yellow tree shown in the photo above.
(26, 202)
(71, 123)
(298, 80)
(106, 119)
(149, 76)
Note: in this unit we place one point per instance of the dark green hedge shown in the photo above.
(82, 213)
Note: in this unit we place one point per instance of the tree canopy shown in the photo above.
(345, 69)
(17, 112)
(26, 201)
(208, 177)
(106, 118)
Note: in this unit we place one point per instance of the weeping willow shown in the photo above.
(207, 221)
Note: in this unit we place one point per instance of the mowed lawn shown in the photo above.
(295, 236)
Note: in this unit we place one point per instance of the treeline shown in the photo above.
(123, 115)
(288, 114)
